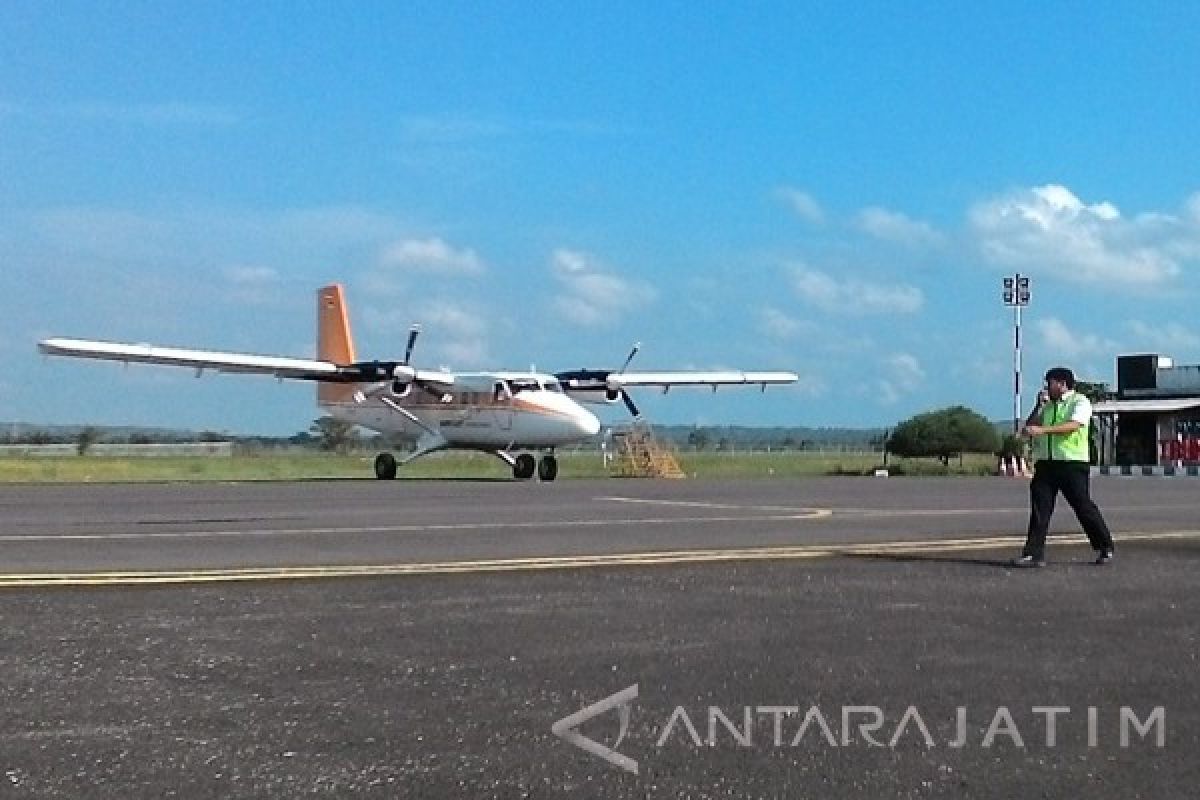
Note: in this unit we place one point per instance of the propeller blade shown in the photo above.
(412, 340)
(633, 409)
(636, 346)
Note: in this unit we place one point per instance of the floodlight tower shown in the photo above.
(1016, 295)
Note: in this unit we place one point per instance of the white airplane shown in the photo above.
(494, 412)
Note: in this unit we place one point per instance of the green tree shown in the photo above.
(1096, 392)
(944, 433)
(698, 439)
(334, 434)
(87, 437)
(1012, 445)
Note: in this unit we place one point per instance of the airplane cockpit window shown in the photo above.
(522, 385)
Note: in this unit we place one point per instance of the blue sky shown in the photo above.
(835, 190)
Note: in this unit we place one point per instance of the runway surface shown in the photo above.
(121, 533)
(484, 613)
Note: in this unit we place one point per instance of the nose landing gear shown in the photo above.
(385, 466)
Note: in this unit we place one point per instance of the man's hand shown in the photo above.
(1033, 430)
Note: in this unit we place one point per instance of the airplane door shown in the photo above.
(501, 407)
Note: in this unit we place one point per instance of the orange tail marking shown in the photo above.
(334, 342)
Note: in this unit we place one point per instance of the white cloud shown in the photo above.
(892, 226)
(900, 374)
(1192, 209)
(853, 296)
(465, 330)
(803, 204)
(592, 297)
(1168, 338)
(452, 333)
(251, 275)
(1067, 344)
(431, 256)
(775, 324)
(450, 130)
(1049, 229)
(253, 285)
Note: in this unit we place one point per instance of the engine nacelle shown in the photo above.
(593, 396)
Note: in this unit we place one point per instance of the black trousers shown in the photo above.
(1072, 479)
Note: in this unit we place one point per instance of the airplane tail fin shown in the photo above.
(334, 342)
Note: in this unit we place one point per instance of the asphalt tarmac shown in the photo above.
(837, 638)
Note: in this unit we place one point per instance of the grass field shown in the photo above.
(300, 466)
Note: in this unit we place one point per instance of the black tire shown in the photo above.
(525, 467)
(548, 468)
(385, 466)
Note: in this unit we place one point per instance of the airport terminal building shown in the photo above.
(1154, 419)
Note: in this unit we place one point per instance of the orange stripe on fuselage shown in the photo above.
(533, 408)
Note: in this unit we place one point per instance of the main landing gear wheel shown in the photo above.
(548, 468)
(385, 466)
(524, 467)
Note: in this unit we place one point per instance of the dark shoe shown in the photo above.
(1103, 558)
(1027, 561)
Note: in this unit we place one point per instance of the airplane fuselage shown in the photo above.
(497, 411)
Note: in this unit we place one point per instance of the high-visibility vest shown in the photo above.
(1071, 446)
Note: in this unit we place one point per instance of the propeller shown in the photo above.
(403, 374)
(394, 377)
(606, 381)
(633, 409)
(614, 388)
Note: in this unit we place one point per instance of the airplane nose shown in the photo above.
(589, 423)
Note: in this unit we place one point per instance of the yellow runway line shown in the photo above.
(653, 558)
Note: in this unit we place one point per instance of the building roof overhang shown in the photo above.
(1158, 404)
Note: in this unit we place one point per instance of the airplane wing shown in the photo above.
(604, 386)
(714, 379)
(278, 366)
(596, 380)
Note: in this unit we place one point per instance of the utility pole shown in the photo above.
(1016, 295)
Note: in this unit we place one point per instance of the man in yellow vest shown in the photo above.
(1058, 426)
